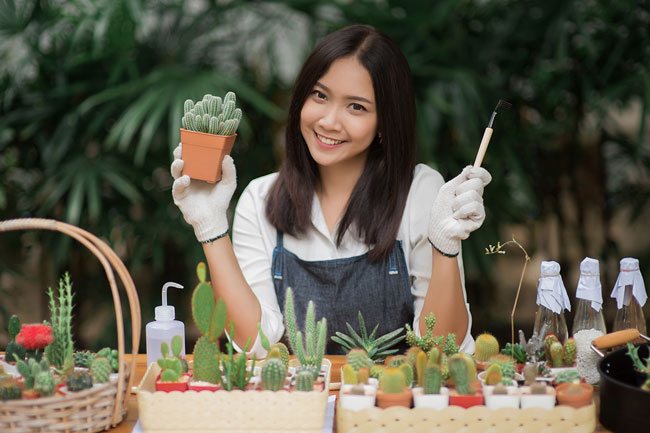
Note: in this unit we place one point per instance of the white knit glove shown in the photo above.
(458, 210)
(203, 204)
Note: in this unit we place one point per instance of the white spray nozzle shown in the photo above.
(164, 291)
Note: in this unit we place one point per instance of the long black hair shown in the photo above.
(377, 202)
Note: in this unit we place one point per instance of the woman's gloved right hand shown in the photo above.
(203, 204)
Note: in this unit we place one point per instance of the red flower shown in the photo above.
(34, 336)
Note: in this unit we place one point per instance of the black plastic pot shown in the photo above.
(624, 407)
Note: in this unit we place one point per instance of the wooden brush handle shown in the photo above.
(616, 338)
(483, 147)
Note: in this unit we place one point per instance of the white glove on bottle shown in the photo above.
(458, 210)
(203, 204)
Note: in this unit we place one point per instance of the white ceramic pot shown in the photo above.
(357, 401)
(498, 401)
(544, 401)
(435, 401)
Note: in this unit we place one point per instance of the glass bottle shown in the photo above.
(552, 300)
(630, 295)
(589, 299)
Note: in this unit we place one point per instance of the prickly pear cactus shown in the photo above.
(273, 374)
(100, 369)
(13, 348)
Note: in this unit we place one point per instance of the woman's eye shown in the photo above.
(358, 107)
(319, 94)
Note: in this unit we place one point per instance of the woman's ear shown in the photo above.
(379, 136)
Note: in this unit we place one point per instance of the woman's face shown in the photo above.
(339, 118)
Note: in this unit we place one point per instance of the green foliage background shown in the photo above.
(91, 94)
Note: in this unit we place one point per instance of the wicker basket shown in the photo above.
(100, 407)
(561, 419)
(230, 411)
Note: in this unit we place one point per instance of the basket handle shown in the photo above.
(109, 260)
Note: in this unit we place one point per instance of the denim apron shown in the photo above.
(340, 288)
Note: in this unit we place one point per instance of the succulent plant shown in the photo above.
(60, 352)
(459, 372)
(376, 371)
(408, 373)
(548, 341)
(534, 347)
(569, 352)
(235, 372)
(435, 356)
(212, 115)
(112, 355)
(493, 374)
(172, 367)
(421, 362)
(10, 390)
(30, 369)
(45, 383)
(210, 319)
(304, 381)
(392, 380)
(78, 381)
(567, 376)
(556, 354)
(376, 348)
(13, 348)
(83, 358)
(431, 380)
(515, 351)
(348, 374)
(309, 352)
(397, 360)
(273, 374)
(450, 347)
(358, 358)
(280, 347)
(100, 369)
(427, 341)
(486, 346)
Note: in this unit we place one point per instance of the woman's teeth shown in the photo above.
(329, 141)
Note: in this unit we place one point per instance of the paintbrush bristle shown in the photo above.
(503, 104)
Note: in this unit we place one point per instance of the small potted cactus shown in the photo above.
(538, 394)
(392, 389)
(78, 381)
(171, 376)
(486, 347)
(208, 134)
(500, 396)
(464, 394)
(356, 391)
(430, 393)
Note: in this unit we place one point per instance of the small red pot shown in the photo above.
(181, 385)
(466, 401)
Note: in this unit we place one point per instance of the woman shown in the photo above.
(349, 221)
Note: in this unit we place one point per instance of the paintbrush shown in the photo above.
(488, 132)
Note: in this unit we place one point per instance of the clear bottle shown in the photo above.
(589, 299)
(630, 295)
(552, 300)
(163, 328)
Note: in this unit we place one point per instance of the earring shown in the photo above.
(379, 136)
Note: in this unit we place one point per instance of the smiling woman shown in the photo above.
(349, 222)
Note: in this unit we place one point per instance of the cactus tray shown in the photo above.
(104, 405)
(561, 419)
(230, 411)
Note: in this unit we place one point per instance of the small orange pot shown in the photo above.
(575, 400)
(385, 399)
(203, 154)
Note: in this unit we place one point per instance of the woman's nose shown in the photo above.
(330, 119)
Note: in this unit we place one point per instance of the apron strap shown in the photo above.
(276, 263)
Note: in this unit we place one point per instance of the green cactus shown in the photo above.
(44, 383)
(112, 355)
(233, 365)
(13, 348)
(458, 370)
(569, 352)
(435, 356)
(279, 346)
(431, 380)
(311, 350)
(358, 358)
(211, 115)
(397, 360)
(493, 374)
(304, 381)
(30, 369)
(376, 348)
(421, 362)
(412, 355)
(83, 358)
(408, 373)
(348, 374)
(392, 380)
(59, 353)
(450, 347)
(78, 381)
(556, 354)
(486, 346)
(100, 369)
(210, 319)
(548, 341)
(376, 371)
(172, 367)
(273, 374)
(425, 342)
(10, 390)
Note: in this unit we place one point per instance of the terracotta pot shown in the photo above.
(466, 401)
(203, 154)
(385, 399)
(575, 400)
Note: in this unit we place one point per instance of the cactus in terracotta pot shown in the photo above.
(212, 115)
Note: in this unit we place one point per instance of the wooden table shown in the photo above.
(131, 418)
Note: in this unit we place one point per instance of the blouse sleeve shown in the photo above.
(253, 243)
(424, 189)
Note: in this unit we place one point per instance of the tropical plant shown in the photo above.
(377, 348)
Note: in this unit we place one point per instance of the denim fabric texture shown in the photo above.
(340, 288)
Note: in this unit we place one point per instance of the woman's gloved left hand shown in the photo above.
(458, 210)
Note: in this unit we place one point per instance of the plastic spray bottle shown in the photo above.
(164, 327)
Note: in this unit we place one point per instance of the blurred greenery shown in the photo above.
(91, 95)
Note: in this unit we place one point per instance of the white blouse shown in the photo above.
(254, 239)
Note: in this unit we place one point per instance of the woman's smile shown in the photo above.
(327, 141)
